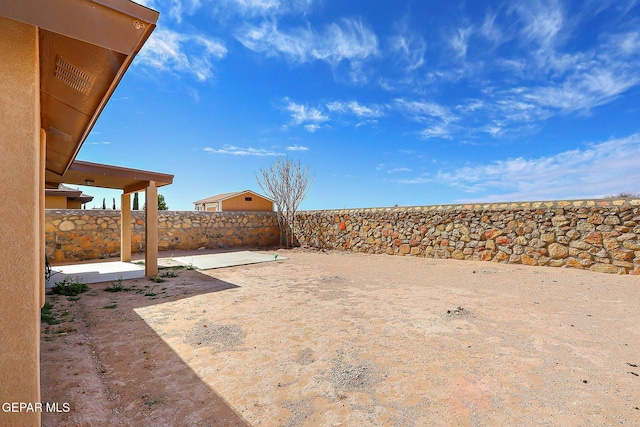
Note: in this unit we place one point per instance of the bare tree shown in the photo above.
(623, 195)
(287, 183)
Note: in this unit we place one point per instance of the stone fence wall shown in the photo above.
(73, 235)
(600, 235)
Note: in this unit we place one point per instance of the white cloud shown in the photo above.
(490, 30)
(421, 110)
(312, 127)
(297, 148)
(100, 142)
(262, 8)
(629, 43)
(169, 50)
(593, 91)
(460, 40)
(147, 3)
(543, 22)
(238, 151)
(179, 8)
(437, 131)
(355, 108)
(347, 40)
(596, 170)
(398, 170)
(222, 9)
(409, 45)
(392, 169)
(437, 117)
(301, 113)
(553, 82)
(252, 5)
(422, 179)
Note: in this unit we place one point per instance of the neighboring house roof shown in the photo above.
(70, 193)
(225, 196)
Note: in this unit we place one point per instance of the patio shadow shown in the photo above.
(111, 367)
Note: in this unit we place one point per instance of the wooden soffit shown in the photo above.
(106, 176)
(85, 46)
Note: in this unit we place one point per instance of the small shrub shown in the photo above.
(169, 273)
(69, 287)
(110, 306)
(150, 292)
(116, 287)
(151, 400)
(46, 315)
(73, 298)
(156, 279)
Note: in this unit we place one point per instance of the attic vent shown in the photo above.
(72, 76)
(57, 132)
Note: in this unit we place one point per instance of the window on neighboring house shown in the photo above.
(247, 199)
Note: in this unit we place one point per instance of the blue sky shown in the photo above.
(389, 103)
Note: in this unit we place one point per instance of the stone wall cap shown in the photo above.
(550, 204)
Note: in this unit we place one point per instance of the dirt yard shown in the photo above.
(336, 339)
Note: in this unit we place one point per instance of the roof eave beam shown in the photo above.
(126, 24)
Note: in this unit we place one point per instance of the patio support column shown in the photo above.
(125, 227)
(151, 230)
(21, 229)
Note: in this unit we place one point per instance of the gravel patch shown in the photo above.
(357, 376)
(220, 337)
(301, 409)
(305, 357)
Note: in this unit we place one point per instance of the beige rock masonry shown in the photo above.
(598, 235)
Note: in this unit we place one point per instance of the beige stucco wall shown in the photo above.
(238, 203)
(20, 230)
(61, 202)
(56, 202)
(72, 204)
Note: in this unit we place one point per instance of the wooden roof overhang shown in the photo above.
(85, 48)
(107, 176)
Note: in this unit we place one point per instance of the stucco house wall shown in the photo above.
(235, 202)
(21, 236)
(238, 203)
(61, 202)
(56, 202)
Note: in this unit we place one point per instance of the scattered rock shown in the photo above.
(457, 312)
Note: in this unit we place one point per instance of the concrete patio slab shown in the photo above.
(96, 272)
(113, 270)
(219, 260)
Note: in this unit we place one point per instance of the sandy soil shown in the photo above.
(337, 339)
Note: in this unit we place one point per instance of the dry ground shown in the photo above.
(336, 339)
